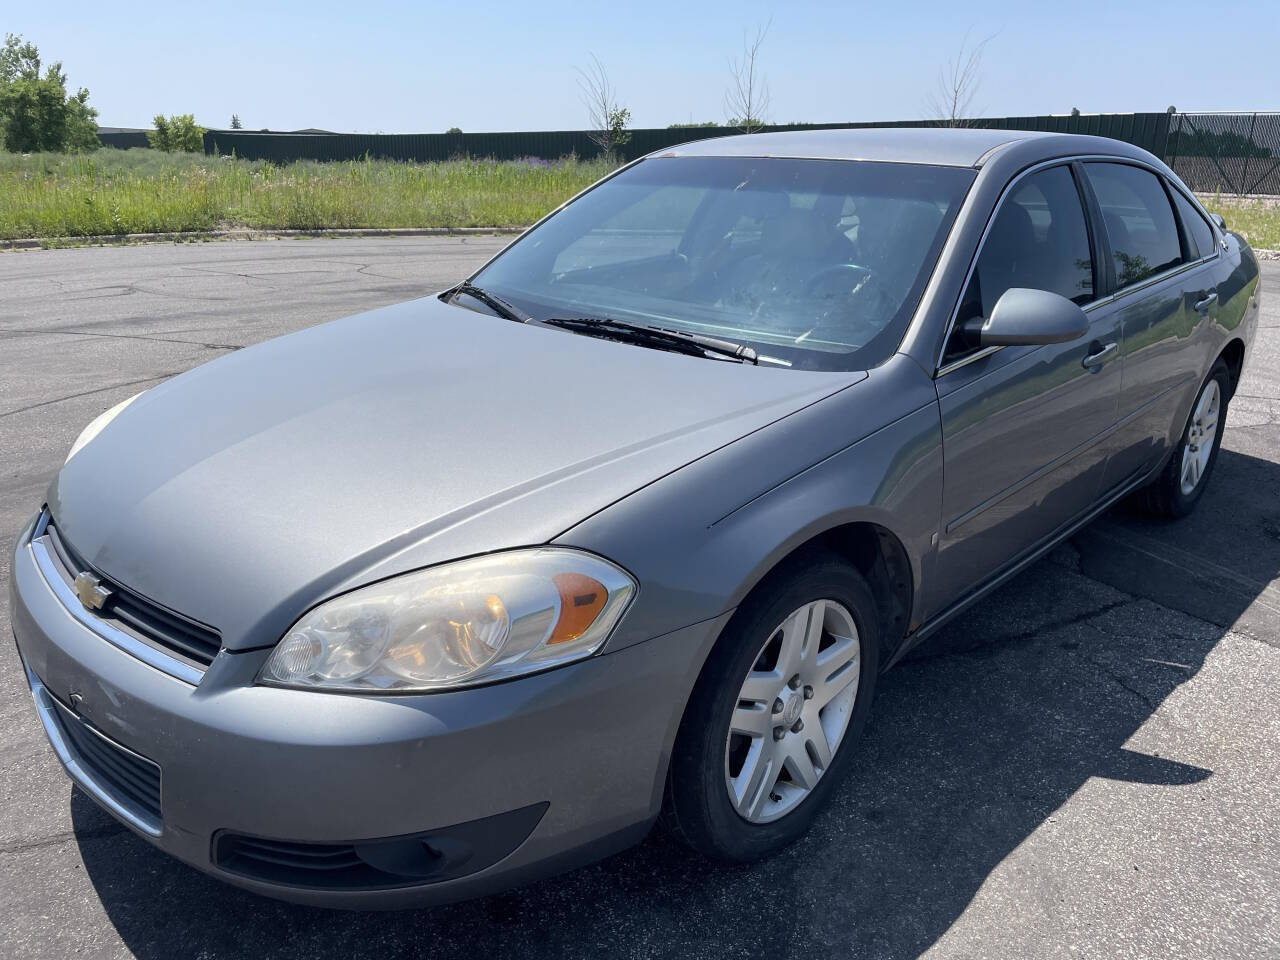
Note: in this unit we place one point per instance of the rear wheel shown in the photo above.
(773, 719)
(1178, 488)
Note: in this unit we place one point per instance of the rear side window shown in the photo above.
(1138, 220)
(1199, 233)
(1038, 240)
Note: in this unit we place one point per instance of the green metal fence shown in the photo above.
(1147, 130)
(1237, 153)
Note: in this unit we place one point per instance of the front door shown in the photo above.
(1023, 427)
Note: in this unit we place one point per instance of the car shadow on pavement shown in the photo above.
(1021, 701)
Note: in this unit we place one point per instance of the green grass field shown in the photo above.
(145, 191)
(61, 196)
(1258, 221)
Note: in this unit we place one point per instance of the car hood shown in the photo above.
(244, 491)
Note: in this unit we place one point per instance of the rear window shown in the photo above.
(650, 228)
(1138, 220)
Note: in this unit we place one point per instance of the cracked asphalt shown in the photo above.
(1086, 764)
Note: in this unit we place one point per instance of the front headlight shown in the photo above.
(463, 623)
(97, 425)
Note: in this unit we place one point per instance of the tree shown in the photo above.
(958, 84)
(82, 123)
(608, 120)
(17, 58)
(235, 122)
(35, 111)
(746, 102)
(619, 120)
(454, 131)
(176, 134)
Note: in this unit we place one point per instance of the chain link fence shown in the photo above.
(1226, 153)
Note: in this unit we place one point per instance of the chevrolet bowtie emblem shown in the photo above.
(90, 590)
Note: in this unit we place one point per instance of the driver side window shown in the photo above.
(1039, 240)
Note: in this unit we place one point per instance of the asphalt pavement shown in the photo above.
(1086, 764)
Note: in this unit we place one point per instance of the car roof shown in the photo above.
(957, 147)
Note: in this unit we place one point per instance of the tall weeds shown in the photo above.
(147, 191)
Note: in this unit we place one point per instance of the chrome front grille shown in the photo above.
(159, 636)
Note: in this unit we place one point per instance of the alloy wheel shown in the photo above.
(1200, 436)
(792, 711)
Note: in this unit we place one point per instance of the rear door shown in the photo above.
(1161, 255)
(1022, 426)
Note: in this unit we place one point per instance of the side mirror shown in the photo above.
(1023, 317)
(1217, 218)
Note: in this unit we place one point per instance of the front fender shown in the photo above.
(701, 538)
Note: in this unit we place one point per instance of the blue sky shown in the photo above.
(377, 66)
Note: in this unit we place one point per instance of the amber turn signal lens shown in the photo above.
(581, 600)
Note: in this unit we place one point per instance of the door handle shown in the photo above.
(1203, 304)
(1099, 355)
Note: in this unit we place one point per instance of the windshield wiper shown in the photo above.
(694, 344)
(494, 303)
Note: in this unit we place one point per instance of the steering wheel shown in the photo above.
(858, 278)
(855, 273)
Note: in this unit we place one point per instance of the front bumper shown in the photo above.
(586, 744)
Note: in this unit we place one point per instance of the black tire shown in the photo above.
(698, 808)
(1164, 496)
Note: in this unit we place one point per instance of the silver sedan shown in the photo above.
(430, 601)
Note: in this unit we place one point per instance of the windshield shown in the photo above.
(818, 263)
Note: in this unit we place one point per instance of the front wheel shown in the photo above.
(773, 718)
(1175, 492)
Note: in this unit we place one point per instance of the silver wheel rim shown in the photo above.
(1200, 435)
(792, 711)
